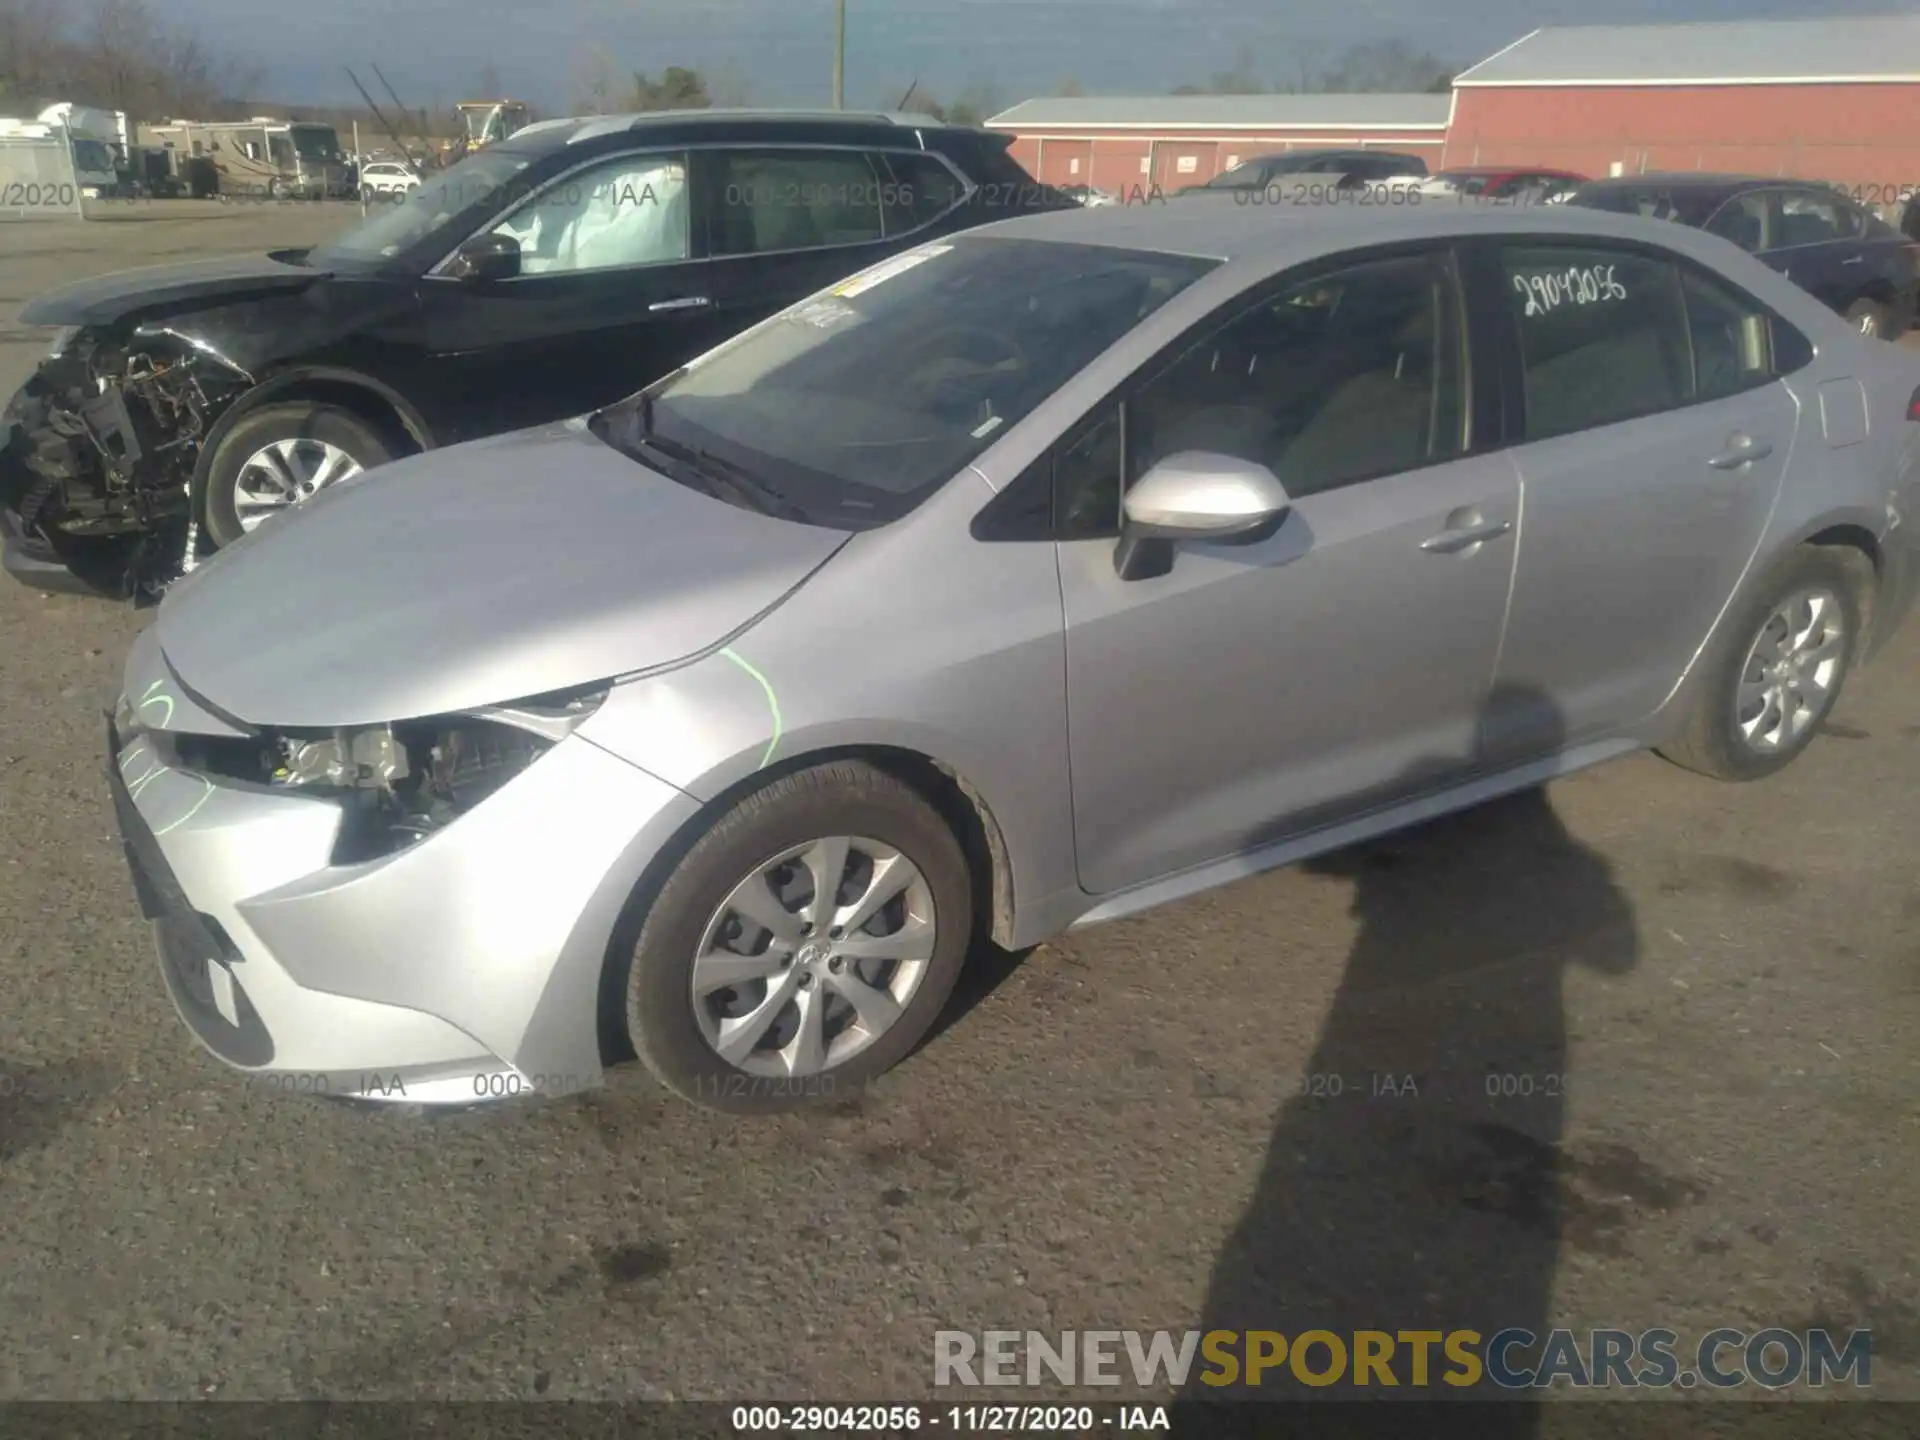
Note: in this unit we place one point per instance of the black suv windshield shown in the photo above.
(851, 407)
(440, 197)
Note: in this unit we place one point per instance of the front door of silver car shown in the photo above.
(1654, 440)
(1205, 712)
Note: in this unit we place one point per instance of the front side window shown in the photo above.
(773, 200)
(1344, 377)
(1335, 379)
(1746, 221)
(628, 211)
(1606, 335)
(857, 403)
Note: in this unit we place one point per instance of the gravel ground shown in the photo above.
(1710, 990)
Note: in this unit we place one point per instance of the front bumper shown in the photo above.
(28, 558)
(465, 969)
(31, 561)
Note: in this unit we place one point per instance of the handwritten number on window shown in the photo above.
(1552, 289)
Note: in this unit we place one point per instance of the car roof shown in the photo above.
(1504, 170)
(1323, 151)
(1228, 231)
(544, 136)
(1695, 180)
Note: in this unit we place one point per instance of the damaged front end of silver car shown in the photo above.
(101, 447)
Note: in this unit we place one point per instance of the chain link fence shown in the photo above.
(37, 180)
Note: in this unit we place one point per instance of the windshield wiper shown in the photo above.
(740, 483)
(720, 478)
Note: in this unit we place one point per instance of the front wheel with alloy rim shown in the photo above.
(804, 945)
(1775, 674)
(279, 455)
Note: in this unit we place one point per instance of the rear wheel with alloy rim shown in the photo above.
(805, 944)
(280, 455)
(1871, 319)
(1777, 671)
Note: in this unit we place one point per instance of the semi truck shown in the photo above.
(98, 141)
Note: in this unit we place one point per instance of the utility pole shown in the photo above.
(839, 54)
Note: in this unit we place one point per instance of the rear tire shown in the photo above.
(296, 421)
(1717, 741)
(1871, 319)
(677, 1033)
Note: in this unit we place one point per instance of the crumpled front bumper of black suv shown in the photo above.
(25, 554)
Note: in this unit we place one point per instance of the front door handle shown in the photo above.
(691, 302)
(1741, 451)
(1854, 260)
(1449, 542)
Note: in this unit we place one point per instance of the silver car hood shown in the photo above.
(499, 570)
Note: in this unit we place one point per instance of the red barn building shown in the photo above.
(1834, 99)
(1117, 144)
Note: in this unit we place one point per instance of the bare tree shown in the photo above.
(487, 86)
(1068, 87)
(1391, 66)
(35, 59)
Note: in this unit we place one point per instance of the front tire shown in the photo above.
(753, 988)
(278, 456)
(1775, 674)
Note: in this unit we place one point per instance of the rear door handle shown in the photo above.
(1854, 260)
(1743, 454)
(691, 302)
(1449, 542)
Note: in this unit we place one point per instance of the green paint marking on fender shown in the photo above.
(152, 699)
(193, 810)
(773, 702)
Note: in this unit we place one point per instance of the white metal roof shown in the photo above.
(1228, 112)
(1841, 49)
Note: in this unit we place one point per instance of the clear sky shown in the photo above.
(782, 50)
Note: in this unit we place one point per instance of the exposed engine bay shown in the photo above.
(398, 783)
(101, 450)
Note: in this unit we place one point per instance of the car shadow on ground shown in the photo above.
(1416, 1179)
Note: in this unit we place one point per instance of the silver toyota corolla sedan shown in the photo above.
(1022, 582)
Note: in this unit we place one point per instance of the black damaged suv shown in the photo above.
(543, 277)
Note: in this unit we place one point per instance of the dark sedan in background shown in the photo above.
(1350, 168)
(1862, 267)
(542, 277)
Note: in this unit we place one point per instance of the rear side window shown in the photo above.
(915, 189)
(1606, 335)
(796, 200)
(1730, 336)
(1603, 335)
(1808, 219)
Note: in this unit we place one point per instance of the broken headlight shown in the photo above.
(402, 782)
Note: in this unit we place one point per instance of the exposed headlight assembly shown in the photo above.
(404, 781)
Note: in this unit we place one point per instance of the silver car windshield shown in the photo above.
(437, 200)
(851, 407)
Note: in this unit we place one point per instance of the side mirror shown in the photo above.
(486, 257)
(1196, 495)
